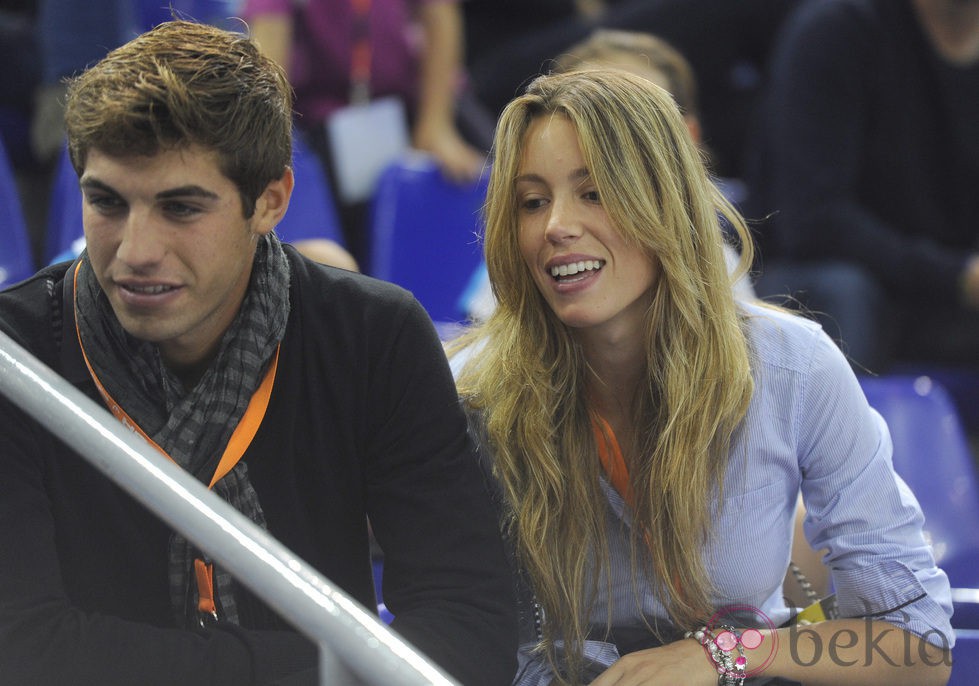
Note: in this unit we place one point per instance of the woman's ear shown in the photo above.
(272, 204)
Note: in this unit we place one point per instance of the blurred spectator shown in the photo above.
(868, 158)
(65, 37)
(19, 53)
(727, 44)
(342, 55)
(508, 42)
(71, 36)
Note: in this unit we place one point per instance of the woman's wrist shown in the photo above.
(725, 648)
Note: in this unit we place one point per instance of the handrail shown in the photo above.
(352, 641)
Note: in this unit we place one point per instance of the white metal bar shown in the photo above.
(337, 623)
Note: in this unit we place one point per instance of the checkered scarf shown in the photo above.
(193, 426)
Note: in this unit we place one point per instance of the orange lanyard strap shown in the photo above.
(204, 572)
(360, 55)
(610, 455)
(240, 439)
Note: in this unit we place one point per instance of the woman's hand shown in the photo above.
(682, 662)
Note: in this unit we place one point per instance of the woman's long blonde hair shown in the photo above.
(526, 377)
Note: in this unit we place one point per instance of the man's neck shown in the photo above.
(188, 370)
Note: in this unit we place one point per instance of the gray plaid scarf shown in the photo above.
(193, 426)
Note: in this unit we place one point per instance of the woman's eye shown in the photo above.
(532, 203)
(591, 196)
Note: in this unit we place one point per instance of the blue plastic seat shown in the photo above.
(65, 227)
(965, 659)
(424, 233)
(932, 455)
(149, 13)
(16, 258)
(312, 211)
(962, 384)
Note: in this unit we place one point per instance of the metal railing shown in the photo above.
(354, 645)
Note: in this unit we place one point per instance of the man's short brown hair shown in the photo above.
(182, 84)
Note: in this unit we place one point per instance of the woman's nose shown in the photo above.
(562, 222)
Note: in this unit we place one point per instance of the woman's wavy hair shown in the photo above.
(526, 376)
(183, 84)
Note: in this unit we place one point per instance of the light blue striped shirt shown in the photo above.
(808, 427)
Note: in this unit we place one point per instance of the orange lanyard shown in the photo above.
(360, 56)
(240, 439)
(610, 455)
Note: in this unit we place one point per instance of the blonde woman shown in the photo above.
(650, 434)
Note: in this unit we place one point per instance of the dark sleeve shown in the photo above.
(47, 638)
(819, 112)
(446, 578)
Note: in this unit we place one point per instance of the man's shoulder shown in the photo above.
(322, 284)
(333, 306)
(31, 311)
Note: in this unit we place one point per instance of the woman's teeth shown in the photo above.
(576, 267)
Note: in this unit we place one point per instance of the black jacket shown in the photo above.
(363, 422)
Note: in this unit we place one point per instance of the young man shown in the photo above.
(182, 308)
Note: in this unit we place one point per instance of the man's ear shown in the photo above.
(272, 204)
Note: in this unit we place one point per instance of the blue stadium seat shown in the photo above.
(16, 259)
(312, 212)
(965, 658)
(64, 211)
(220, 13)
(424, 233)
(962, 384)
(932, 455)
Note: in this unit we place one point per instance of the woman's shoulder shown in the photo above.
(780, 338)
(794, 362)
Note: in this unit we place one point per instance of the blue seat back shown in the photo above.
(965, 659)
(64, 210)
(312, 211)
(16, 258)
(221, 13)
(933, 456)
(424, 233)
(961, 382)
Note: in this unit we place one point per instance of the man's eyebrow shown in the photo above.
(95, 184)
(190, 190)
(187, 191)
